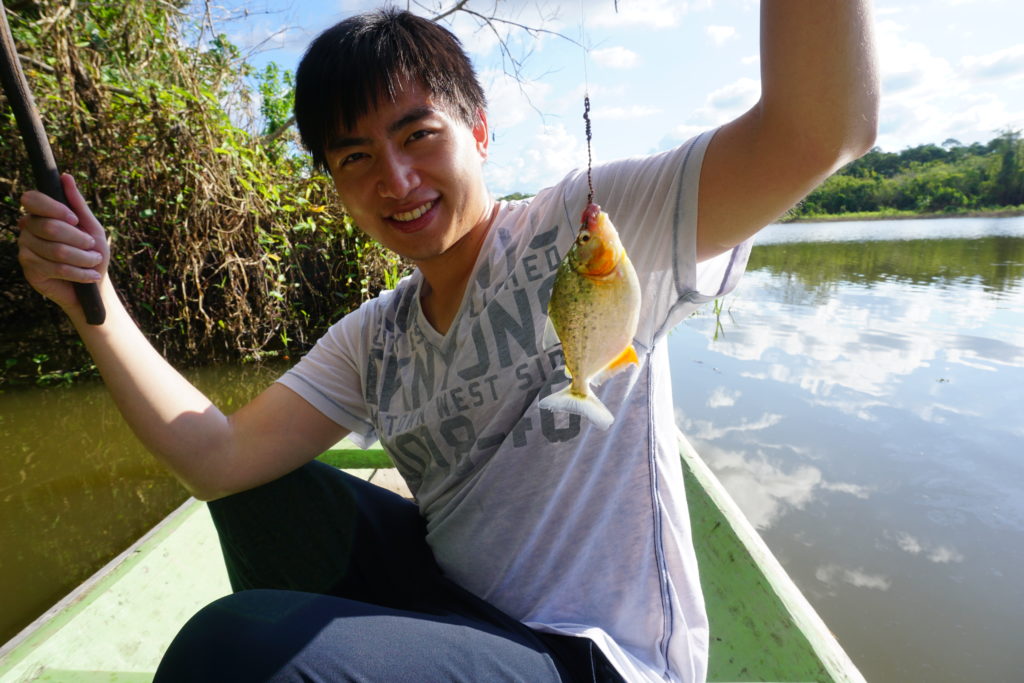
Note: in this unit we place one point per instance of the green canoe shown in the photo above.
(115, 626)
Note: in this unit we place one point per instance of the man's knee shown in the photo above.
(249, 635)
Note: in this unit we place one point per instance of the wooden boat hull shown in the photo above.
(116, 625)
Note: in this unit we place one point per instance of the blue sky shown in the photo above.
(659, 71)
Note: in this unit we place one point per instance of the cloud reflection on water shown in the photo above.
(939, 554)
(832, 575)
(864, 341)
(879, 340)
(763, 489)
(892, 487)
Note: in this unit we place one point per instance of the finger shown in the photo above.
(39, 204)
(61, 252)
(87, 221)
(53, 230)
(37, 265)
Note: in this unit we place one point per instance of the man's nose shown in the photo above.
(397, 176)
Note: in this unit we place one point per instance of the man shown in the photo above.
(539, 548)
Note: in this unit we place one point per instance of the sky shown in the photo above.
(660, 71)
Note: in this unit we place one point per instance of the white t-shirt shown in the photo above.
(567, 528)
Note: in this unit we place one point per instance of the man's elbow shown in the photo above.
(207, 482)
(206, 494)
(855, 132)
(841, 143)
(861, 136)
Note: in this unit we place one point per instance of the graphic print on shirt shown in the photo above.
(447, 404)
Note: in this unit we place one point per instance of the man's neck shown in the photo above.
(446, 276)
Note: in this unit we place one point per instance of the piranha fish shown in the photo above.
(593, 310)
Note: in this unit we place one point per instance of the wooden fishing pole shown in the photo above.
(44, 168)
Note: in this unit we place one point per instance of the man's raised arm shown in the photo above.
(818, 111)
(212, 454)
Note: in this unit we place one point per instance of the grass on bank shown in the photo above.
(898, 214)
(356, 458)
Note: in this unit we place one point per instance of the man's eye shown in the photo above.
(420, 134)
(351, 158)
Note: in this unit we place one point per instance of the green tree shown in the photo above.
(927, 178)
(1009, 181)
(226, 246)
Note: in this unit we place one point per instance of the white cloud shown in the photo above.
(862, 492)
(720, 34)
(944, 554)
(553, 152)
(908, 66)
(832, 574)
(725, 104)
(722, 398)
(999, 65)
(702, 429)
(908, 543)
(736, 96)
(865, 345)
(763, 490)
(615, 57)
(653, 13)
(925, 98)
(509, 100)
(939, 554)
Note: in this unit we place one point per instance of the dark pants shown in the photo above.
(335, 582)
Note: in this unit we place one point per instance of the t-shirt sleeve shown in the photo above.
(328, 376)
(652, 201)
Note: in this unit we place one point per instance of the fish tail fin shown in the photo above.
(586, 405)
(621, 362)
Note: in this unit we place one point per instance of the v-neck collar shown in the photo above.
(429, 332)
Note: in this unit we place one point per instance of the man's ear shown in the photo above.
(481, 133)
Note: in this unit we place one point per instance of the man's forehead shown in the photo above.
(390, 104)
(396, 120)
(393, 113)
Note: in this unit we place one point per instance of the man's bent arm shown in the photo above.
(818, 111)
(212, 454)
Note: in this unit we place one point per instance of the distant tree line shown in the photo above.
(946, 178)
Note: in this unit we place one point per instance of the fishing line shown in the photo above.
(586, 109)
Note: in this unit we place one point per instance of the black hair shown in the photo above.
(351, 66)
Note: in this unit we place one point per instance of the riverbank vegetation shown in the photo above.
(227, 244)
(927, 180)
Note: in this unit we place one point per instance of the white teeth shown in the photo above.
(414, 214)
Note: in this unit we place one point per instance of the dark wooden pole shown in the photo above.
(44, 168)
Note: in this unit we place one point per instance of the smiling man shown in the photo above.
(539, 548)
(410, 177)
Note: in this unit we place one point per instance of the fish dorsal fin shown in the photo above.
(550, 338)
(627, 356)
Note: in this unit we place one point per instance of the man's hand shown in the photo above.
(60, 245)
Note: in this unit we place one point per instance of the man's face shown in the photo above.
(411, 175)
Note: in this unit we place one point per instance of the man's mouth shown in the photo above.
(407, 216)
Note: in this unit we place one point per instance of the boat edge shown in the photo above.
(53, 619)
(831, 654)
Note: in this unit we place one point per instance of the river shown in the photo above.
(861, 395)
(76, 487)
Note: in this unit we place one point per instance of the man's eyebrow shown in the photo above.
(413, 115)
